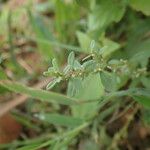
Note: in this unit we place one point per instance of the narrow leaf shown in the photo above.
(71, 59)
(55, 65)
(144, 100)
(38, 93)
(63, 120)
(51, 84)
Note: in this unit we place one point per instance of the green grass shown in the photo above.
(97, 54)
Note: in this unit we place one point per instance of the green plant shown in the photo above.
(106, 75)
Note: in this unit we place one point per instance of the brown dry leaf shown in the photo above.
(10, 129)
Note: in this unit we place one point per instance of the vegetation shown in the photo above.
(75, 75)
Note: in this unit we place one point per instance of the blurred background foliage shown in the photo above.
(33, 32)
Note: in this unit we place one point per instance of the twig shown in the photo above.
(121, 113)
(8, 106)
(25, 66)
(123, 131)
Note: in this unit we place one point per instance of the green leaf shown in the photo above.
(138, 43)
(38, 94)
(141, 5)
(42, 32)
(55, 65)
(53, 83)
(33, 146)
(75, 85)
(92, 88)
(110, 47)
(67, 69)
(109, 81)
(140, 52)
(50, 72)
(71, 59)
(146, 82)
(77, 65)
(84, 41)
(103, 13)
(89, 65)
(63, 120)
(144, 100)
(140, 92)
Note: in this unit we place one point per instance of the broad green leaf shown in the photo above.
(111, 46)
(63, 120)
(146, 82)
(144, 100)
(141, 5)
(92, 88)
(109, 80)
(138, 44)
(75, 85)
(38, 94)
(121, 80)
(84, 41)
(140, 52)
(104, 13)
(71, 91)
(89, 65)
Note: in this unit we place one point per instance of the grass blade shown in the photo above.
(63, 120)
(38, 94)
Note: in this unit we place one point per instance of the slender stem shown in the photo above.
(71, 133)
(10, 38)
